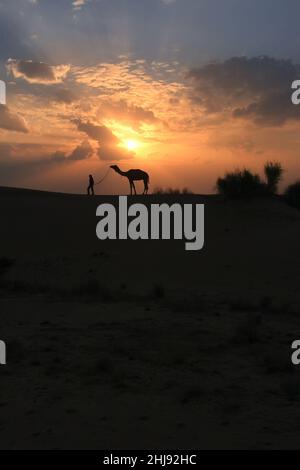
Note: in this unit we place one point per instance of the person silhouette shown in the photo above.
(90, 189)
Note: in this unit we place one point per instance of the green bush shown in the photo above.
(292, 194)
(241, 184)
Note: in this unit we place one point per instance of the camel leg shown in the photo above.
(145, 187)
(134, 187)
(130, 184)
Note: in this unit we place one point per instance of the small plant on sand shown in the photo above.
(273, 173)
(292, 195)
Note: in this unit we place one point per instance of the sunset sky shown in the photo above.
(183, 89)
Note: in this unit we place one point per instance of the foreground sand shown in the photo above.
(141, 344)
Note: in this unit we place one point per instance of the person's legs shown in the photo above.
(92, 190)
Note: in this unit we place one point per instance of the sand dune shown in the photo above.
(124, 344)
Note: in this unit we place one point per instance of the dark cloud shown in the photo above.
(100, 133)
(258, 89)
(64, 95)
(108, 149)
(58, 156)
(112, 153)
(20, 161)
(37, 72)
(11, 121)
(82, 151)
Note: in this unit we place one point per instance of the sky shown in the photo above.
(183, 89)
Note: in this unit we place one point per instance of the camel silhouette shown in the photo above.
(134, 175)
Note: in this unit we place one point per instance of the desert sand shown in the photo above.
(141, 344)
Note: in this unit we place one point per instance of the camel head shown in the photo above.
(116, 168)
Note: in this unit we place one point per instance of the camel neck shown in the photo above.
(123, 173)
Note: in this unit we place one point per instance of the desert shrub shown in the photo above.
(240, 184)
(171, 191)
(273, 173)
(186, 191)
(292, 195)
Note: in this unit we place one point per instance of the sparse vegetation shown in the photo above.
(241, 184)
(292, 195)
(244, 184)
(171, 191)
(273, 173)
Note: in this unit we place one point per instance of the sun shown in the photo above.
(131, 144)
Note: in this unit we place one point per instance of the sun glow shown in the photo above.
(131, 144)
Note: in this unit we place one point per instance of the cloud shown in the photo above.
(113, 153)
(7, 151)
(108, 143)
(139, 90)
(64, 95)
(257, 89)
(10, 121)
(95, 132)
(53, 93)
(131, 114)
(37, 72)
(82, 151)
(78, 4)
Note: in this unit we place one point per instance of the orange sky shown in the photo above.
(135, 113)
(183, 89)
